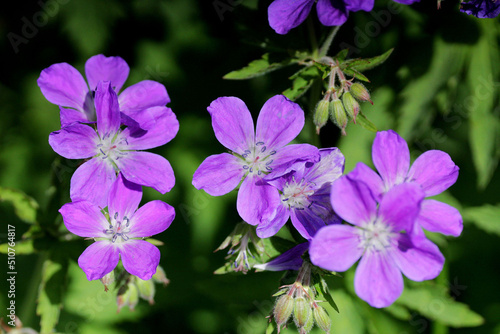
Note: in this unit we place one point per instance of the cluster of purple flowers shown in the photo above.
(110, 130)
(384, 213)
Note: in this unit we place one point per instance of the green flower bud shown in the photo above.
(308, 326)
(321, 114)
(283, 309)
(338, 115)
(160, 276)
(322, 319)
(127, 295)
(146, 290)
(108, 279)
(351, 106)
(360, 92)
(301, 312)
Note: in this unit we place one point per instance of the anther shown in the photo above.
(263, 149)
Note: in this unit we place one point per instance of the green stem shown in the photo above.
(326, 45)
(312, 37)
(29, 306)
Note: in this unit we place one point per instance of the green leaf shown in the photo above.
(365, 123)
(433, 302)
(485, 217)
(270, 327)
(356, 74)
(302, 81)
(341, 55)
(361, 65)
(22, 247)
(25, 207)
(259, 67)
(324, 293)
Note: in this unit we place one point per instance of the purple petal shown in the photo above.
(378, 280)
(71, 116)
(391, 157)
(92, 181)
(328, 169)
(102, 68)
(286, 157)
(107, 110)
(78, 141)
(144, 94)
(152, 218)
(124, 198)
(434, 171)
(99, 259)
(289, 260)
(84, 219)
(400, 206)
(147, 169)
(481, 8)
(335, 247)
(366, 175)
(418, 258)
(440, 217)
(63, 85)
(353, 201)
(355, 5)
(160, 130)
(270, 227)
(332, 13)
(140, 258)
(285, 14)
(256, 202)
(218, 174)
(279, 122)
(232, 123)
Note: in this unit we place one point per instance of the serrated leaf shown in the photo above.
(364, 64)
(365, 123)
(25, 207)
(486, 217)
(302, 81)
(22, 247)
(266, 64)
(341, 55)
(324, 293)
(356, 74)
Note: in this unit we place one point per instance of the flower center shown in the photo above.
(258, 159)
(118, 229)
(296, 194)
(112, 148)
(376, 236)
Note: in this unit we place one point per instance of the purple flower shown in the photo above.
(119, 234)
(383, 237)
(289, 260)
(254, 153)
(481, 8)
(63, 85)
(288, 14)
(305, 195)
(434, 171)
(112, 149)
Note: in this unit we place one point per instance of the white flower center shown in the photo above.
(296, 194)
(376, 236)
(118, 229)
(112, 147)
(258, 159)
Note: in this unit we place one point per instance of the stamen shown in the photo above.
(259, 143)
(269, 162)
(245, 167)
(272, 153)
(115, 216)
(263, 149)
(269, 168)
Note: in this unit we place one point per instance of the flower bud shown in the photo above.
(322, 319)
(338, 115)
(351, 106)
(146, 290)
(283, 309)
(360, 92)
(127, 295)
(108, 279)
(321, 114)
(160, 276)
(301, 312)
(308, 326)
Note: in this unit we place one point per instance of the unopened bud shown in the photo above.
(160, 276)
(301, 312)
(308, 326)
(283, 309)
(146, 290)
(351, 106)
(128, 295)
(322, 319)
(360, 92)
(338, 115)
(321, 114)
(108, 279)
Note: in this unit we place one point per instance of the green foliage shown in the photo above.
(486, 217)
(355, 66)
(266, 64)
(302, 81)
(24, 206)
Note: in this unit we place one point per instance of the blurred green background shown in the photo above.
(439, 90)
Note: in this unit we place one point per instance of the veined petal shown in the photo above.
(124, 198)
(140, 258)
(311, 219)
(142, 95)
(287, 156)
(102, 68)
(332, 13)
(328, 169)
(391, 157)
(84, 219)
(417, 257)
(289, 260)
(63, 85)
(355, 5)
(71, 116)
(147, 169)
(353, 201)
(440, 217)
(434, 171)
(335, 248)
(288, 14)
(152, 218)
(366, 175)
(400, 206)
(256, 201)
(378, 280)
(270, 227)
(232, 123)
(92, 181)
(77, 141)
(99, 259)
(218, 174)
(107, 110)
(279, 122)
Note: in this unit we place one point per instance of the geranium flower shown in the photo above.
(119, 233)
(383, 237)
(63, 85)
(113, 150)
(254, 153)
(289, 260)
(481, 8)
(434, 171)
